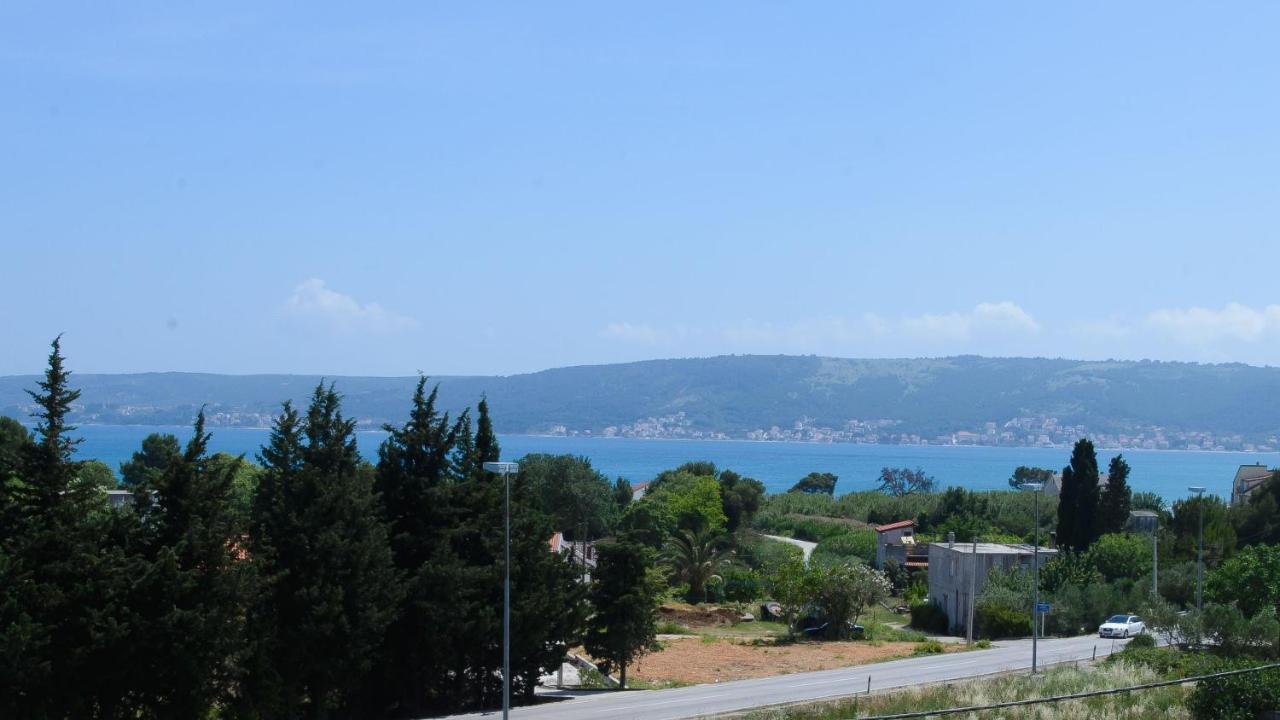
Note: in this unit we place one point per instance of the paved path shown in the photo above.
(805, 546)
(726, 697)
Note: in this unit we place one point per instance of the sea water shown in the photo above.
(777, 464)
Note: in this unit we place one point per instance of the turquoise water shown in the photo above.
(777, 464)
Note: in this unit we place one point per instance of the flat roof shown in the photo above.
(995, 548)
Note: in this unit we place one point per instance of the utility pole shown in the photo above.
(973, 584)
(506, 470)
(1035, 564)
(1198, 490)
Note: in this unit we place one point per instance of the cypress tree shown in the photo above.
(331, 587)
(414, 482)
(1113, 506)
(189, 585)
(55, 617)
(1078, 523)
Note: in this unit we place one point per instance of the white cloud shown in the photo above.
(315, 303)
(983, 319)
(1200, 326)
(637, 333)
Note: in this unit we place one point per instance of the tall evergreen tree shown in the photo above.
(624, 599)
(1113, 505)
(54, 608)
(1078, 499)
(415, 483)
(331, 587)
(189, 585)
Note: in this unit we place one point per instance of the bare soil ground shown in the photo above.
(705, 660)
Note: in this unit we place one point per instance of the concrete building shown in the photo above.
(1248, 478)
(959, 571)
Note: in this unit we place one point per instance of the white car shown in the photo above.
(1121, 626)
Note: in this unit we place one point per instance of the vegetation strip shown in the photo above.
(1073, 696)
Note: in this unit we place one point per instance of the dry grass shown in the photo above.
(709, 659)
(1162, 703)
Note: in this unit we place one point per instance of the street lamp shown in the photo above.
(1035, 564)
(506, 470)
(1198, 490)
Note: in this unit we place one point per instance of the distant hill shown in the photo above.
(746, 396)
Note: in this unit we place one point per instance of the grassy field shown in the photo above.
(1162, 703)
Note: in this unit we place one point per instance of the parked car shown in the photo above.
(1121, 626)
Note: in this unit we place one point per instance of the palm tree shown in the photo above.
(696, 557)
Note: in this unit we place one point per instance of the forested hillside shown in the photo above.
(738, 394)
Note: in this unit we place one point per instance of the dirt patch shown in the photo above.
(692, 616)
(699, 661)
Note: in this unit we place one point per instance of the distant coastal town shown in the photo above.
(1042, 431)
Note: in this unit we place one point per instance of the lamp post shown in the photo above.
(1198, 490)
(1035, 565)
(506, 470)
(973, 583)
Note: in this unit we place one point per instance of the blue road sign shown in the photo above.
(1043, 607)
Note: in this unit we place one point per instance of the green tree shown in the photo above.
(56, 574)
(1184, 529)
(844, 591)
(1148, 501)
(188, 586)
(905, 481)
(1078, 499)
(622, 495)
(579, 499)
(1258, 519)
(625, 599)
(1249, 580)
(327, 566)
(1024, 474)
(149, 462)
(792, 586)
(816, 482)
(695, 557)
(740, 498)
(1116, 498)
(415, 481)
(694, 500)
(1121, 555)
(1068, 568)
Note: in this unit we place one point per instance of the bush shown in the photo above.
(929, 647)
(1145, 640)
(1238, 697)
(741, 584)
(929, 618)
(998, 621)
(983, 644)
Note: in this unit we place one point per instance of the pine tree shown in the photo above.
(331, 587)
(1078, 500)
(1113, 506)
(624, 598)
(149, 462)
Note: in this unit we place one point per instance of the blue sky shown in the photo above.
(486, 187)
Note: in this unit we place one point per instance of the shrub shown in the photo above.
(761, 553)
(741, 584)
(1145, 640)
(929, 647)
(929, 617)
(667, 627)
(1238, 697)
(915, 593)
(998, 621)
(983, 644)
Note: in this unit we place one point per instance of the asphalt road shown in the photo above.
(699, 700)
